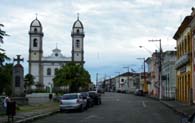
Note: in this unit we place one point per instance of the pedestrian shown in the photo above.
(5, 101)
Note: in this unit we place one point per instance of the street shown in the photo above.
(118, 108)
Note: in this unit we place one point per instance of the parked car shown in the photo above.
(88, 99)
(139, 92)
(100, 90)
(96, 97)
(72, 101)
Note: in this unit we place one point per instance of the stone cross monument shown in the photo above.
(18, 78)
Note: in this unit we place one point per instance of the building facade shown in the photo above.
(127, 82)
(43, 68)
(183, 37)
(168, 75)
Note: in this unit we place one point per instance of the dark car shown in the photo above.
(86, 96)
(96, 97)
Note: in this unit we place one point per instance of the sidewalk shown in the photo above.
(22, 117)
(180, 108)
(183, 109)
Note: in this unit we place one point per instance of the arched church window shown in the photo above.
(35, 29)
(35, 42)
(56, 69)
(48, 71)
(77, 43)
(77, 30)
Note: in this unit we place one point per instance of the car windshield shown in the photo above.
(69, 97)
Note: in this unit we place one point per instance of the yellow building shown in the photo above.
(183, 37)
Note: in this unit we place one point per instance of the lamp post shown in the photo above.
(145, 84)
(160, 66)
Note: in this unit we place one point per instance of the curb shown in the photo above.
(170, 107)
(175, 110)
(36, 117)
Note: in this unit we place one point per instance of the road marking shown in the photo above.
(96, 117)
(143, 103)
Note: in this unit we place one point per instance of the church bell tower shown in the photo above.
(36, 50)
(78, 42)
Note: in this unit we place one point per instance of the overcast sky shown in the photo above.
(114, 29)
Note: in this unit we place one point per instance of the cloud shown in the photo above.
(114, 30)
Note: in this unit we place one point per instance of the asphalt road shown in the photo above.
(119, 108)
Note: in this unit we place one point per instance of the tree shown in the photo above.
(6, 78)
(3, 56)
(29, 81)
(5, 69)
(72, 75)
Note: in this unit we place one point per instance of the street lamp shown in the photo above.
(160, 66)
(145, 84)
(146, 49)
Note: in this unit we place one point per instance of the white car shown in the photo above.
(72, 101)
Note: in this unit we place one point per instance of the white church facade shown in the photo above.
(43, 68)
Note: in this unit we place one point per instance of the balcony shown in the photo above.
(182, 60)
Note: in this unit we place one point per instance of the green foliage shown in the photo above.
(6, 78)
(5, 69)
(72, 75)
(29, 81)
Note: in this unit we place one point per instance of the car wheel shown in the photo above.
(61, 110)
(81, 109)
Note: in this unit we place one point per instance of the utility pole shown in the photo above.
(118, 79)
(160, 66)
(96, 81)
(127, 75)
(145, 84)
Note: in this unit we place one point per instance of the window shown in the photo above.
(77, 30)
(35, 29)
(48, 71)
(77, 43)
(35, 42)
(56, 54)
(17, 81)
(56, 70)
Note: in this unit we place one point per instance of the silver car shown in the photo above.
(72, 101)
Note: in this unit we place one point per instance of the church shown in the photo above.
(42, 67)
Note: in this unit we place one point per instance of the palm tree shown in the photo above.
(3, 56)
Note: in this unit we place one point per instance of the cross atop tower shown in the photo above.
(18, 59)
(77, 16)
(36, 15)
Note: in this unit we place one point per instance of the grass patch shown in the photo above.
(29, 108)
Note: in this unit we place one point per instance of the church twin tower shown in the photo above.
(44, 68)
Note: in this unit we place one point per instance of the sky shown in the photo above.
(114, 29)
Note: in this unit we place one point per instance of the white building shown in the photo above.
(127, 82)
(43, 68)
(169, 75)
